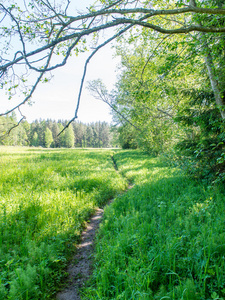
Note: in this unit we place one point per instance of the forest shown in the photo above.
(45, 133)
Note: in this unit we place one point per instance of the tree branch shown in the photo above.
(58, 29)
(99, 92)
(120, 21)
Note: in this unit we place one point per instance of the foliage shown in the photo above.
(163, 239)
(69, 137)
(66, 137)
(45, 198)
(149, 90)
(35, 140)
(45, 133)
(166, 47)
(46, 34)
(171, 89)
(48, 138)
(202, 152)
(18, 135)
(127, 137)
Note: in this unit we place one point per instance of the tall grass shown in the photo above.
(163, 239)
(45, 198)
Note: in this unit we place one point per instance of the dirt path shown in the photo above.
(80, 267)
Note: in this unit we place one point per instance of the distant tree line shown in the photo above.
(44, 133)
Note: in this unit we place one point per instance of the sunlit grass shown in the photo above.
(163, 239)
(45, 198)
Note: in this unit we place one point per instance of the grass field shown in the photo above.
(163, 239)
(45, 198)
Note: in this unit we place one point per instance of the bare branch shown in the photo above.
(33, 88)
(99, 92)
(26, 98)
(18, 123)
(85, 71)
(89, 58)
(14, 125)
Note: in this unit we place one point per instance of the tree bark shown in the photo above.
(214, 83)
(211, 72)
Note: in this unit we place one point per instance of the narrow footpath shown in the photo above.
(79, 269)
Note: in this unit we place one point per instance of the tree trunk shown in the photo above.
(211, 72)
(214, 84)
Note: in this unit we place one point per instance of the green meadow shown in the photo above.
(164, 238)
(45, 198)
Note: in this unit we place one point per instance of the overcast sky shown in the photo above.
(57, 99)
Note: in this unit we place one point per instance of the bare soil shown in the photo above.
(79, 269)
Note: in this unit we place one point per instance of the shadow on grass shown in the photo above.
(161, 239)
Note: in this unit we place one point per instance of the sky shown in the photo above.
(57, 99)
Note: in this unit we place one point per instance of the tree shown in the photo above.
(201, 151)
(55, 132)
(175, 83)
(48, 137)
(35, 140)
(17, 136)
(46, 34)
(69, 137)
(61, 137)
(28, 134)
(89, 136)
(79, 132)
(105, 134)
(127, 137)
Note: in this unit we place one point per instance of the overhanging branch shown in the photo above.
(60, 30)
